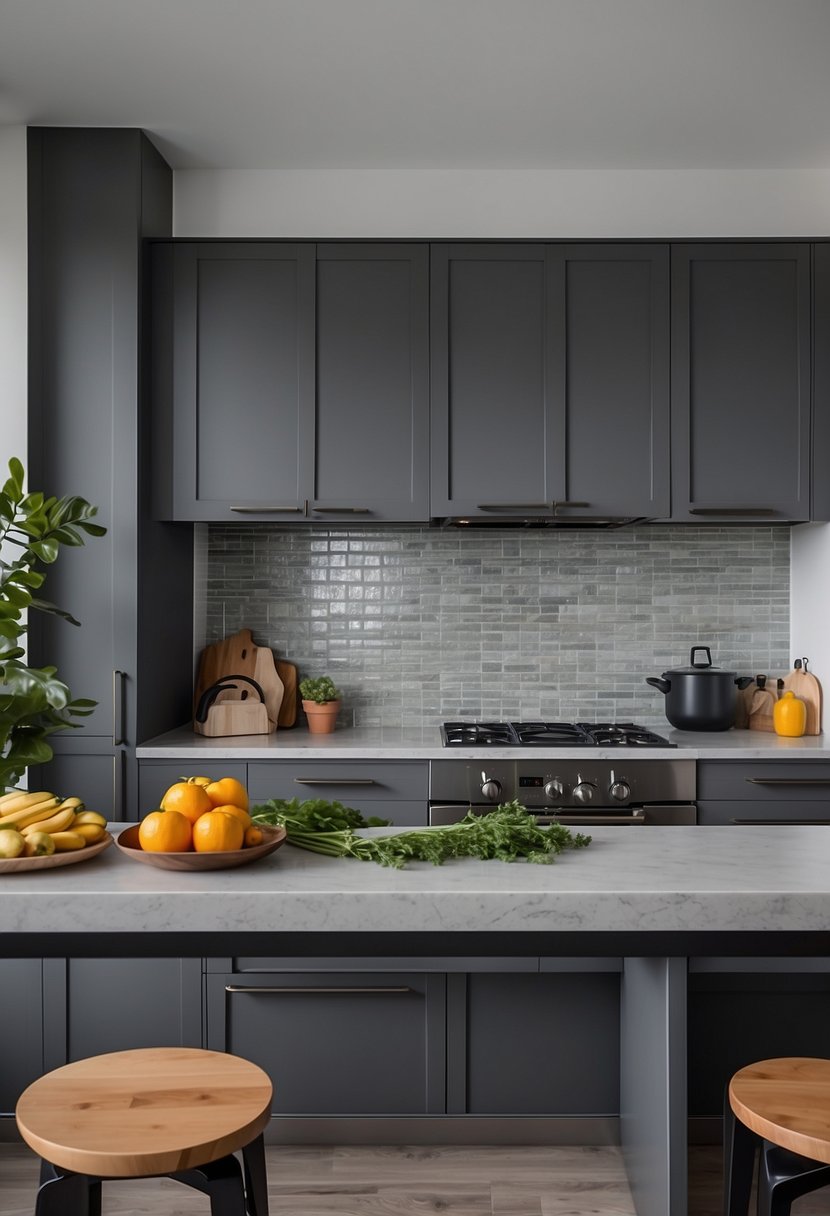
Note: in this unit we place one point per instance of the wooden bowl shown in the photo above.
(14, 865)
(128, 845)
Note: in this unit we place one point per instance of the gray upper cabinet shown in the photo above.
(741, 382)
(541, 354)
(242, 378)
(296, 386)
(821, 382)
(372, 400)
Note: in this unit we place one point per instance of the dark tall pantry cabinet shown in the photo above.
(93, 196)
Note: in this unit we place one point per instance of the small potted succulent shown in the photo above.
(321, 701)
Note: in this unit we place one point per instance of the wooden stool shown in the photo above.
(175, 1111)
(783, 1107)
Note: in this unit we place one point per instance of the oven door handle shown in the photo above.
(635, 819)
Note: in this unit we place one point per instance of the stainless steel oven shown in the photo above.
(580, 793)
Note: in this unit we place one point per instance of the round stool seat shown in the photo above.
(787, 1102)
(133, 1114)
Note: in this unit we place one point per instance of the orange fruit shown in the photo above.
(165, 832)
(237, 812)
(227, 790)
(198, 780)
(188, 799)
(253, 835)
(216, 832)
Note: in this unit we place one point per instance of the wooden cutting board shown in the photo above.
(287, 672)
(235, 655)
(805, 685)
(265, 674)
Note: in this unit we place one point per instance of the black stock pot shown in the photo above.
(700, 696)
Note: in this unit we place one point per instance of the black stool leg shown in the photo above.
(65, 1194)
(221, 1181)
(739, 1147)
(784, 1177)
(256, 1182)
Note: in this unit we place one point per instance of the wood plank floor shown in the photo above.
(400, 1181)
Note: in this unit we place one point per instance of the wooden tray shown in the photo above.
(14, 865)
(127, 844)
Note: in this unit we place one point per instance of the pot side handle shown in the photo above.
(663, 686)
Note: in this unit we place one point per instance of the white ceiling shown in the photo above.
(260, 84)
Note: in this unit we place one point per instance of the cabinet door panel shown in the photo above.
(372, 382)
(21, 1017)
(95, 776)
(340, 1044)
(741, 381)
(243, 379)
(611, 364)
(490, 434)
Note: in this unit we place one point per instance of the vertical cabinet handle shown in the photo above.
(118, 678)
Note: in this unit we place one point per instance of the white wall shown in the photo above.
(13, 295)
(501, 203)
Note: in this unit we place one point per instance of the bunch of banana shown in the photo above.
(38, 824)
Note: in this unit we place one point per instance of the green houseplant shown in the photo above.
(321, 702)
(33, 701)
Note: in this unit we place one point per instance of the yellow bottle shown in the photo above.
(789, 716)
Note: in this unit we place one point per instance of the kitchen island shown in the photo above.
(653, 899)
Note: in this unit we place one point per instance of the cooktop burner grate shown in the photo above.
(549, 734)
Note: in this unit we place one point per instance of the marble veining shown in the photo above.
(668, 879)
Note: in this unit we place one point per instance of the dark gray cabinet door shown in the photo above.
(491, 440)
(21, 1016)
(339, 1044)
(243, 380)
(821, 382)
(608, 308)
(520, 1044)
(741, 382)
(550, 380)
(371, 457)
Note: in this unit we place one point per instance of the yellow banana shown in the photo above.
(38, 844)
(91, 832)
(67, 842)
(11, 796)
(75, 803)
(90, 817)
(57, 821)
(20, 802)
(32, 813)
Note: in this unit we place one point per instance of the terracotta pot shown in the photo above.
(321, 718)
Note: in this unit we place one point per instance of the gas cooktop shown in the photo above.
(549, 734)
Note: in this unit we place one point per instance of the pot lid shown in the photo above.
(701, 667)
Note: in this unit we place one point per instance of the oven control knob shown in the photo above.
(584, 791)
(554, 789)
(620, 790)
(490, 788)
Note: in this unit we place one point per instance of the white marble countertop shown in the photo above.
(694, 879)
(354, 743)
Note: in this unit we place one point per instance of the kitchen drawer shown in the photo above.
(789, 780)
(337, 1044)
(723, 812)
(343, 781)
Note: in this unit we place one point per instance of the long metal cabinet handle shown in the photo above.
(738, 511)
(782, 823)
(788, 780)
(118, 678)
(266, 510)
(334, 781)
(514, 506)
(557, 505)
(312, 991)
(343, 510)
(637, 819)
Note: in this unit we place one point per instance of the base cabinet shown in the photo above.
(534, 1044)
(336, 1044)
(21, 1018)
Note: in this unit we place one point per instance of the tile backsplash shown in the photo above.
(418, 625)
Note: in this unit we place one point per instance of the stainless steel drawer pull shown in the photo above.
(637, 819)
(738, 511)
(311, 991)
(266, 510)
(557, 505)
(788, 823)
(334, 781)
(514, 506)
(342, 510)
(807, 781)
